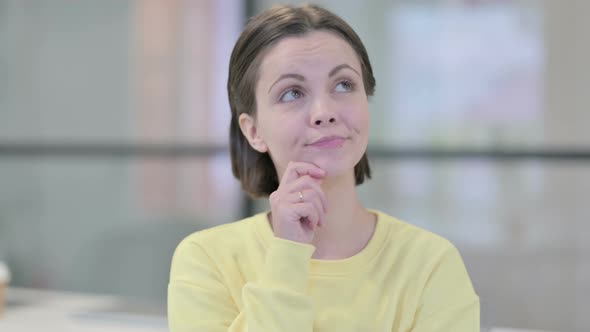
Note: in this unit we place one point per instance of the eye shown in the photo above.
(344, 86)
(291, 95)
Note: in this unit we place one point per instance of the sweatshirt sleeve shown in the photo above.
(448, 301)
(199, 300)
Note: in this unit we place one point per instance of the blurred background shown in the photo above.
(113, 141)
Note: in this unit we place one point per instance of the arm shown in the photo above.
(448, 302)
(199, 300)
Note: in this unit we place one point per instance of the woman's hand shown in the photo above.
(298, 205)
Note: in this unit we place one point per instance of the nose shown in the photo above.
(322, 114)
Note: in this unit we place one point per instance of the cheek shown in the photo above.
(359, 118)
(283, 133)
(364, 120)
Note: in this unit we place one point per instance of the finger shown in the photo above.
(297, 169)
(309, 196)
(307, 210)
(317, 204)
(321, 196)
(306, 182)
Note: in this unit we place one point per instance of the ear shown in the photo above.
(250, 131)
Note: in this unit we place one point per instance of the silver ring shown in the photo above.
(300, 197)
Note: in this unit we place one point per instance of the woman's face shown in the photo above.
(311, 104)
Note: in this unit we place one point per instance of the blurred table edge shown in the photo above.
(29, 309)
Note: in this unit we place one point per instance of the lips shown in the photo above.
(329, 142)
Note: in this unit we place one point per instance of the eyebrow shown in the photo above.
(295, 76)
(299, 77)
(340, 67)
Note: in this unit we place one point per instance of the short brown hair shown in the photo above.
(256, 170)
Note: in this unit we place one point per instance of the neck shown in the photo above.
(348, 226)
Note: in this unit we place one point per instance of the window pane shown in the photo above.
(115, 222)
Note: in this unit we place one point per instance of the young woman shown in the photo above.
(299, 82)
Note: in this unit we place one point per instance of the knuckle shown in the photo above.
(274, 197)
(305, 177)
(315, 193)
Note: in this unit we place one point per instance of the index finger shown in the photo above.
(297, 169)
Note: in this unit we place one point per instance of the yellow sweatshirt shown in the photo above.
(240, 277)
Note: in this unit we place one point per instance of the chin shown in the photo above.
(336, 167)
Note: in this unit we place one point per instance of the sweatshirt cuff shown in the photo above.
(287, 264)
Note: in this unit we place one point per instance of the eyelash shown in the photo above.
(351, 87)
(290, 90)
(350, 84)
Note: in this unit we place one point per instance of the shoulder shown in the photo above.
(413, 238)
(424, 256)
(225, 237)
(215, 250)
(415, 250)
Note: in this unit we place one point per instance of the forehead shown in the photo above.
(310, 51)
